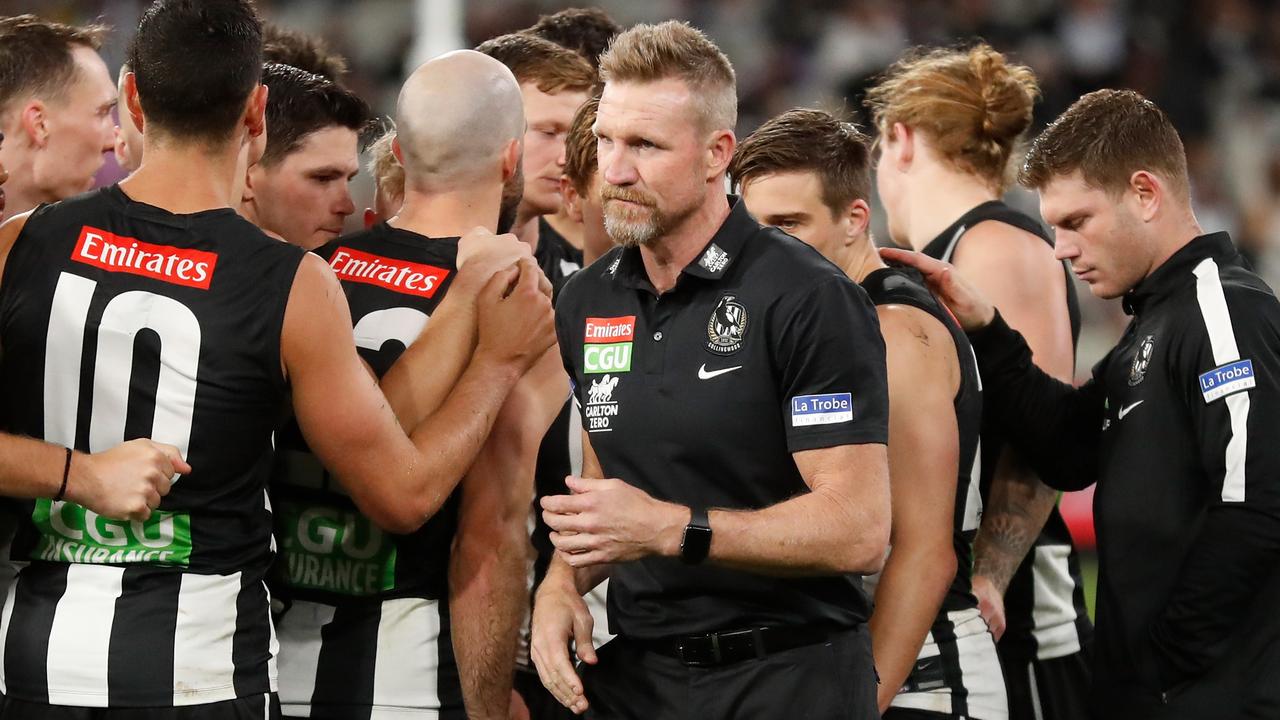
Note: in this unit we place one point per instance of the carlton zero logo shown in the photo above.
(827, 409)
(401, 276)
(1223, 381)
(607, 344)
(117, 253)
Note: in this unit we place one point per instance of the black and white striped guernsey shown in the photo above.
(1044, 605)
(120, 320)
(957, 671)
(365, 633)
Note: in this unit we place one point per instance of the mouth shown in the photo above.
(1, 203)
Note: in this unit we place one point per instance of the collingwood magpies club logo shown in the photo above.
(1141, 359)
(727, 326)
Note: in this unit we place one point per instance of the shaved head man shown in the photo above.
(56, 97)
(448, 596)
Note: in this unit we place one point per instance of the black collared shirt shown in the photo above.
(700, 396)
(1178, 427)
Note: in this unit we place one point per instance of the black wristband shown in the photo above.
(66, 473)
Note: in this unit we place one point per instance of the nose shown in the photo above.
(617, 169)
(345, 206)
(1064, 248)
(4, 175)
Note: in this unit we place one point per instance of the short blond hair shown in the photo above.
(649, 53)
(386, 170)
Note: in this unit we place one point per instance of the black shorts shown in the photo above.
(260, 707)
(832, 680)
(1057, 689)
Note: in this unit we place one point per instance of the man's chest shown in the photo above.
(674, 368)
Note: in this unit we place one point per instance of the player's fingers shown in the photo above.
(142, 513)
(564, 504)
(498, 285)
(583, 623)
(587, 559)
(574, 542)
(179, 465)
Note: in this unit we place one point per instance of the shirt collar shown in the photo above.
(710, 264)
(1172, 274)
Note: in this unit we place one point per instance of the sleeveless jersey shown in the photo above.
(120, 320)
(957, 672)
(366, 629)
(1044, 605)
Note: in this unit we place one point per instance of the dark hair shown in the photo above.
(809, 141)
(35, 56)
(1108, 135)
(580, 159)
(300, 103)
(586, 31)
(303, 51)
(196, 63)
(550, 67)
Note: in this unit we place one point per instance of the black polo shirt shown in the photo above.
(701, 394)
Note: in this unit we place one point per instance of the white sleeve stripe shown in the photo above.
(1222, 339)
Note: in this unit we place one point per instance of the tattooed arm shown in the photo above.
(1016, 510)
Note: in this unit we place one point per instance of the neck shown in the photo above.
(863, 259)
(526, 229)
(569, 230)
(669, 254)
(184, 178)
(1180, 231)
(450, 213)
(939, 196)
(526, 225)
(21, 192)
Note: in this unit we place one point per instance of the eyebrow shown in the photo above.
(783, 217)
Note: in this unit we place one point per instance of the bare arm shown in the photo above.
(399, 481)
(125, 482)
(561, 616)
(924, 459)
(491, 551)
(841, 525)
(422, 377)
(1017, 273)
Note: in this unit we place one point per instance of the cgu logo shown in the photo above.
(75, 523)
(323, 530)
(607, 358)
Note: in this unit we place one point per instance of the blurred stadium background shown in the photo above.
(1213, 65)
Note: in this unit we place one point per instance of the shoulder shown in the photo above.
(994, 244)
(590, 279)
(776, 253)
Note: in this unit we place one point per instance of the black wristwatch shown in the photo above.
(696, 543)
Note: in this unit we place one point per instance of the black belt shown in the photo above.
(731, 646)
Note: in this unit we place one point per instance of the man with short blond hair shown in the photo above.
(1176, 425)
(56, 97)
(733, 562)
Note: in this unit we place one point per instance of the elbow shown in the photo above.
(398, 517)
(866, 552)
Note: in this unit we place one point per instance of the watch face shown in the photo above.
(696, 544)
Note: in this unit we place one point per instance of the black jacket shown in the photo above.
(1179, 426)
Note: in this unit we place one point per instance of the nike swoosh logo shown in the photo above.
(1126, 410)
(704, 374)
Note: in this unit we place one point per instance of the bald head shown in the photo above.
(456, 115)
